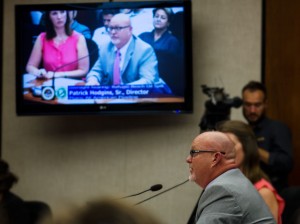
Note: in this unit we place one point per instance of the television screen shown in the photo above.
(99, 58)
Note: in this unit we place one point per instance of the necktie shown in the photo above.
(117, 77)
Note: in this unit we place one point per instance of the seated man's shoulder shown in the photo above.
(11, 198)
(142, 44)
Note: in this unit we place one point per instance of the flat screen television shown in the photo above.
(155, 72)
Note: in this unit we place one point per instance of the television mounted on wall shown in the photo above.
(167, 63)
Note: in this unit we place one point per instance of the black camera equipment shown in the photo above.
(217, 108)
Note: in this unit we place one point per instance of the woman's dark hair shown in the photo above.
(50, 32)
(168, 11)
(7, 179)
(250, 165)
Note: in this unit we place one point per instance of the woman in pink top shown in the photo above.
(247, 159)
(61, 51)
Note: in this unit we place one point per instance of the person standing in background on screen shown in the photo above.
(273, 137)
(61, 51)
(247, 159)
(100, 34)
(166, 47)
(228, 196)
(125, 59)
(80, 28)
(161, 39)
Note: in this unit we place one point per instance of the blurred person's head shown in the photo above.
(7, 178)
(110, 211)
(56, 19)
(162, 18)
(211, 154)
(120, 30)
(254, 101)
(247, 157)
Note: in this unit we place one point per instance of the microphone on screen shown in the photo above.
(155, 187)
(177, 185)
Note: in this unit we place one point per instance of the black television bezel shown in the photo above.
(24, 107)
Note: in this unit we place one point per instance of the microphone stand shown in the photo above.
(155, 187)
(128, 196)
(163, 192)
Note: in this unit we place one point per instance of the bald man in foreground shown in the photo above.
(228, 196)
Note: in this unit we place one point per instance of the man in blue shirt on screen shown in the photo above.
(124, 59)
(80, 28)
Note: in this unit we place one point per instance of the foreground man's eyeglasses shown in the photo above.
(193, 153)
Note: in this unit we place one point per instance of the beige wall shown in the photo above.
(70, 159)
